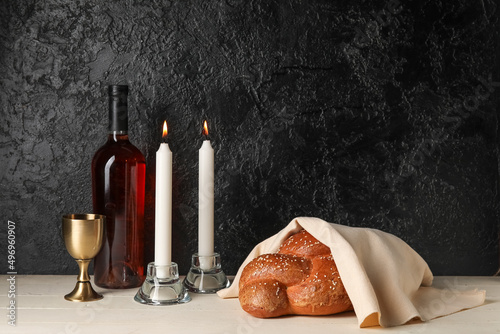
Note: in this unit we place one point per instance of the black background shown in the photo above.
(364, 113)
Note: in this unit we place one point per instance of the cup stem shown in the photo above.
(84, 270)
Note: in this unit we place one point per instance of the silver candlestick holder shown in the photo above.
(206, 275)
(162, 286)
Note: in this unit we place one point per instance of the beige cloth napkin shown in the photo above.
(387, 281)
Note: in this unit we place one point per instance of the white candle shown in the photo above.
(206, 201)
(163, 206)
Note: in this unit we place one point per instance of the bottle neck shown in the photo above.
(118, 109)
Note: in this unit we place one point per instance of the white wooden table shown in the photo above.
(41, 308)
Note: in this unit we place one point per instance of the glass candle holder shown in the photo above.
(206, 275)
(163, 289)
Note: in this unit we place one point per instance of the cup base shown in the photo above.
(162, 286)
(83, 292)
(205, 275)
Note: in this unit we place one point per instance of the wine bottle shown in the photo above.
(118, 189)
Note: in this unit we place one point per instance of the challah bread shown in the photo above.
(301, 278)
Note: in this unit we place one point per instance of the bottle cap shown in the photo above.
(118, 108)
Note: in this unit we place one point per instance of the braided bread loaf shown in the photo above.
(301, 278)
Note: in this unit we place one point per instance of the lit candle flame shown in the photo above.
(205, 128)
(165, 130)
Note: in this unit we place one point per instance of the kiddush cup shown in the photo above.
(83, 237)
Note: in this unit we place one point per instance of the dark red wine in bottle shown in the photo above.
(118, 189)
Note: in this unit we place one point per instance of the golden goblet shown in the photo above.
(83, 237)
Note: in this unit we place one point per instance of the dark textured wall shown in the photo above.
(365, 113)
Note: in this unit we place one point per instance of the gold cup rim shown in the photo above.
(83, 216)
